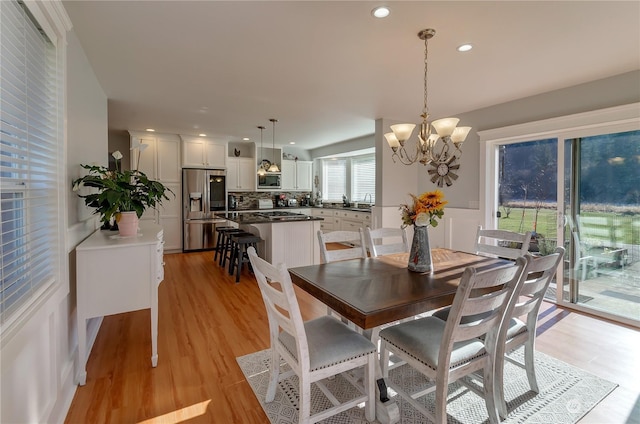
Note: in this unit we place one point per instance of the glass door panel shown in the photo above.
(527, 191)
(602, 223)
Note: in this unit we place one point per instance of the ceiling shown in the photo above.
(327, 69)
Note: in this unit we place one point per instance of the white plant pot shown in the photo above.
(128, 224)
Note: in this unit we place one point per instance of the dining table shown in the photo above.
(375, 291)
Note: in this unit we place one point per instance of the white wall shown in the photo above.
(39, 358)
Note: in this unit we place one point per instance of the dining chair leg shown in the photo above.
(441, 401)
(369, 378)
(304, 402)
(489, 391)
(274, 375)
(529, 363)
(499, 386)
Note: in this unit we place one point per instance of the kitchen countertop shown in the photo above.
(295, 209)
(254, 218)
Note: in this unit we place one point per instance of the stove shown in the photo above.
(282, 215)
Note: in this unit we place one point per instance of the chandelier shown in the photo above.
(440, 149)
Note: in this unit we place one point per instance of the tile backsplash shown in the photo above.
(249, 199)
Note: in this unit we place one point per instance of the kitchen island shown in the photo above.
(287, 237)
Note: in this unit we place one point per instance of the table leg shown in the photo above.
(154, 328)
(82, 351)
(387, 412)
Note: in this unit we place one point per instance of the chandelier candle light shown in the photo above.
(440, 149)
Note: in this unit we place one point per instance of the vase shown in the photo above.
(128, 224)
(420, 256)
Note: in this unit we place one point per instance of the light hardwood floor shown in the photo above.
(206, 321)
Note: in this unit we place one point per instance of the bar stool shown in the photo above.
(225, 247)
(239, 255)
(229, 248)
(221, 239)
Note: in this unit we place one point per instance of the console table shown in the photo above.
(115, 275)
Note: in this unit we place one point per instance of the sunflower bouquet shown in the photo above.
(425, 209)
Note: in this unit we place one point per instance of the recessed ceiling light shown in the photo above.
(292, 142)
(246, 138)
(465, 47)
(381, 12)
(150, 129)
(202, 135)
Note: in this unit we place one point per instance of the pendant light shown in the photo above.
(274, 167)
(261, 170)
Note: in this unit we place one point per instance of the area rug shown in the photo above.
(566, 394)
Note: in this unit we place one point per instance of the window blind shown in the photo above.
(28, 159)
(334, 174)
(363, 178)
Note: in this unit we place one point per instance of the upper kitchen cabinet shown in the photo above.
(161, 161)
(241, 174)
(241, 167)
(199, 152)
(296, 175)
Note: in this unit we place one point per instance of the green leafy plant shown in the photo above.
(120, 191)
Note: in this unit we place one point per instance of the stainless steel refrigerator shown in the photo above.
(203, 194)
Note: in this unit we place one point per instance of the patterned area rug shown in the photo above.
(566, 394)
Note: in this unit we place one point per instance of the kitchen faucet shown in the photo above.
(345, 201)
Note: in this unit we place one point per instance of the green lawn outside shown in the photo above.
(628, 224)
(521, 220)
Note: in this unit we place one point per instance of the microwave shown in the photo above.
(270, 181)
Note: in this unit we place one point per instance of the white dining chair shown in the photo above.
(502, 243)
(357, 250)
(354, 239)
(445, 351)
(389, 240)
(519, 331)
(314, 350)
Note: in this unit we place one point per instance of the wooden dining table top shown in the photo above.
(375, 291)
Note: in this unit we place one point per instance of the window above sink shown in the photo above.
(350, 176)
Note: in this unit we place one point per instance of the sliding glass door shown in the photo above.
(602, 213)
(580, 189)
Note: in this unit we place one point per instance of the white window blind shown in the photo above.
(334, 175)
(363, 178)
(28, 159)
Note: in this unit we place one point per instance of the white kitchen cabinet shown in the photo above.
(296, 175)
(135, 270)
(288, 175)
(353, 220)
(161, 161)
(199, 152)
(241, 174)
(340, 219)
(304, 176)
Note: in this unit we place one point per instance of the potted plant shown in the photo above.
(123, 195)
